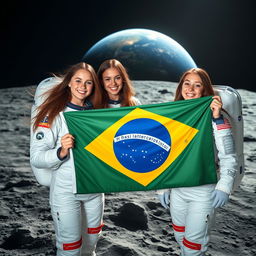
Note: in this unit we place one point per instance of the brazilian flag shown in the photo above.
(145, 147)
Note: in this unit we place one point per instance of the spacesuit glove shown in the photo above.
(220, 198)
(165, 199)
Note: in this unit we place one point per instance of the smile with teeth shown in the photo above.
(81, 91)
(114, 88)
(190, 94)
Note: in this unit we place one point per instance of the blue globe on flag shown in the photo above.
(142, 145)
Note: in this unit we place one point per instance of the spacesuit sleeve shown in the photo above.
(136, 101)
(44, 147)
(162, 191)
(227, 159)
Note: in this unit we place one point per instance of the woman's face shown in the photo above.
(113, 82)
(192, 87)
(81, 86)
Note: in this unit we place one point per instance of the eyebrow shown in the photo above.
(111, 76)
(195, 81)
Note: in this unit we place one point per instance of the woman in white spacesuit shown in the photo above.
(116, 85)
(78, 89)
(192, 208)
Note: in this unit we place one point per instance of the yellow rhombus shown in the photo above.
(102, 146)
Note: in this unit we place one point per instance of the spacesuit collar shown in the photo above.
(87, 105)
(114, 102)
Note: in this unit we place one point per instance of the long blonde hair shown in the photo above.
(127, 91)
(58, 97)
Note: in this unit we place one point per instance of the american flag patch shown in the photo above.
(223, 124)
(44, 123)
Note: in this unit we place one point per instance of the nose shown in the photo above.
(85, 85)
(113, 81)
(191, 87)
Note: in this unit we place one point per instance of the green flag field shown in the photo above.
(145, 147)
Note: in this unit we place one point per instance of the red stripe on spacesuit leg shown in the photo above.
(178, 228)
(72, 246)
(191, 245)
(95, 230)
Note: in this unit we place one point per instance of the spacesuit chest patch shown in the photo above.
(44, 123)
(223, 124)
(39, 135)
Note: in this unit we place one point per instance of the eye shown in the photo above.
(198, 85)
(89, 83)
(118, 78)
(186, 83)
(77, 80)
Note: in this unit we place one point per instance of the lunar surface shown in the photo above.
(135, 223)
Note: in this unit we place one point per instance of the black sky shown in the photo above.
(40, 37)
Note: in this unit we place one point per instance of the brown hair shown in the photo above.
(58, 97)
(127, 91)
(207, 84)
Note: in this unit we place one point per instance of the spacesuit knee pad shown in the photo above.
(69, 249)
(178, 233)
(67, 231)
(90, 240)
(191, 248)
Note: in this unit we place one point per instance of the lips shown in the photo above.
(190, 95)
(82, 91)
(115, 88)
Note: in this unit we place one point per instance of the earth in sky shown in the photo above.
(146, 54)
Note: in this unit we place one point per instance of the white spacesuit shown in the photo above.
(117, 103)
(192, 208)
(71, 212)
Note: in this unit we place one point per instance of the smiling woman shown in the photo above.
(192, 87)
(50, 149)
(81, 86)
(193, 84)
(113, 83)
(193, 208)
(116, 85)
